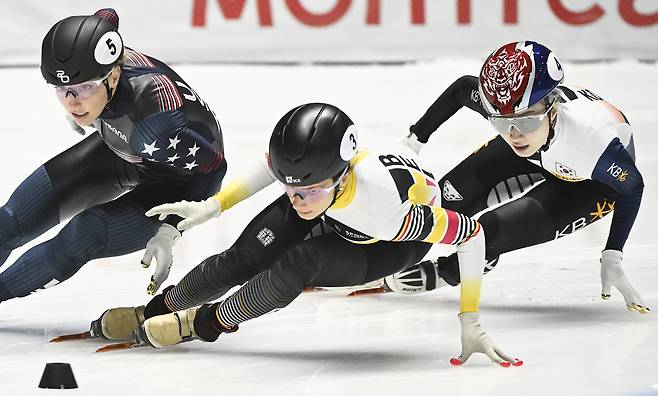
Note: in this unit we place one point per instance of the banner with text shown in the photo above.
(346, 30)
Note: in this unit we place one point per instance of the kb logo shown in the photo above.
(62, 76)
(617, 172)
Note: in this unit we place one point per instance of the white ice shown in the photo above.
(541, 304)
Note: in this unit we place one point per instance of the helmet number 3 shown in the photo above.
(108, 48)
(349, 143)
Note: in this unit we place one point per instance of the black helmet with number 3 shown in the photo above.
(312, 143)
(81, 48)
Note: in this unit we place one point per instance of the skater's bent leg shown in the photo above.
(80, 177)
(279, 285)
(552, 210)
(267, 237)
(107, 230)
(324, 261)
(515, 225)
(30, 211)
(209, 280)
(83, 176)
(55, 260)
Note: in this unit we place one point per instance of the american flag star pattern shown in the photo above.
(182, 152)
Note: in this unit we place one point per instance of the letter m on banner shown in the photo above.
(231, 9)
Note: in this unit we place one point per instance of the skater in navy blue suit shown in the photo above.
(156, 141)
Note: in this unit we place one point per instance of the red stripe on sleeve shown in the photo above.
(453, 226)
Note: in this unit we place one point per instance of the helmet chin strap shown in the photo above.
(551, 131)
(337, 191)
(110, 92)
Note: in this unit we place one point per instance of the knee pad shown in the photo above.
(9, 233)
(300, 265)
(230, 268)
(12, 234)
(517, 224)
(31, 210)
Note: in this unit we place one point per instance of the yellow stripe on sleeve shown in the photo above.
(470, 295)
(230, 195)
(440, 225)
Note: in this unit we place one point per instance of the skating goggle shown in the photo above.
(312, 194)
(523, 124)
(80, 91)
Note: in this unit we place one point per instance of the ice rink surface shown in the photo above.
(541, 304)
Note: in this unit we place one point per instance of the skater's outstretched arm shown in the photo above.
(195, 213)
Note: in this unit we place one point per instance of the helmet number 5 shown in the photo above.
(111, 46)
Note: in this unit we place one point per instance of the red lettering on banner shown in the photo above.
(199, 13)
(576, 18)
(510, 12)
(231, 9)
(417, 12)
(372, 12)
(311, 19)
(631, 16)
(463, 12)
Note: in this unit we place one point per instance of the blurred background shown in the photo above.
(383, 62)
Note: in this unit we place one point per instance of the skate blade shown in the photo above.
(376, 290)
(118, 346)
(69, 337)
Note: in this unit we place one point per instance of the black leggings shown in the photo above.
(107, 198)
(551, 209)
(273, 249)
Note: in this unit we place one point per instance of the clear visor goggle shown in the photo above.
(523, 124)
(80, 91)
(312, 194)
